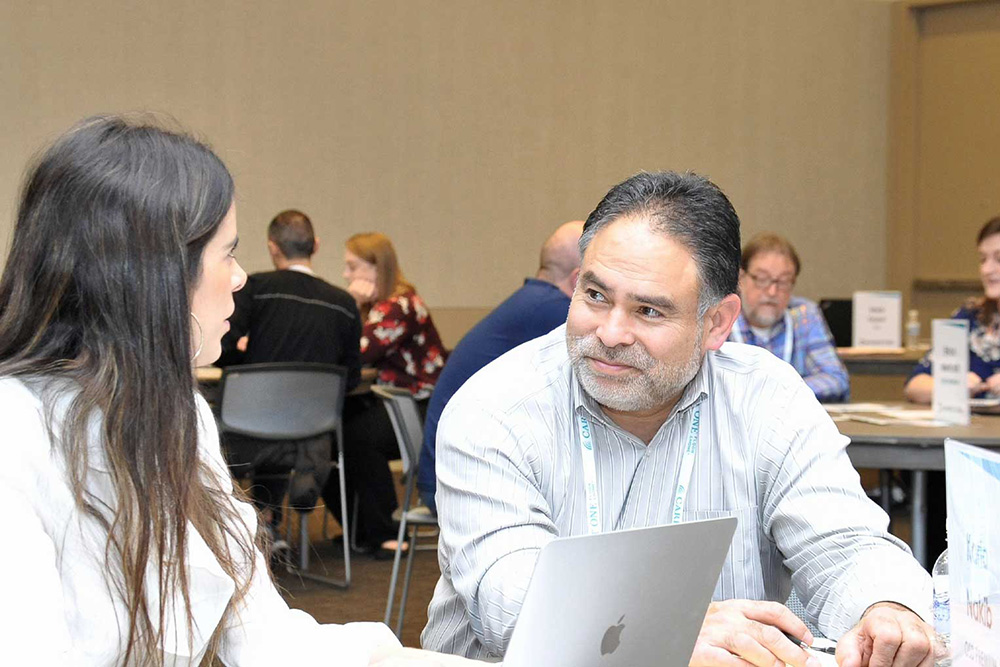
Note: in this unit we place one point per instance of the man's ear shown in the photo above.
(315, 245)
(720, 319)
(574, 276)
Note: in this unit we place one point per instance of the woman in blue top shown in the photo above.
(984, 366)
(984, 328)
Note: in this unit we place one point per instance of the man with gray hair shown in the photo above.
(641, 365)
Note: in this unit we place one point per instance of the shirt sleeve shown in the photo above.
(824, 372)
(33, 626)
(835, 541)
(494, 518)
(33, 629)
(389, 323)
(264, 631)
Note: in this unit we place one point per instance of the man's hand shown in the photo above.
(888, 635)
(738, 633)
(362, 290)
(411, 657)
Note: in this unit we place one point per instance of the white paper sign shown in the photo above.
(973, 482)
(950, 368)
(878, 319)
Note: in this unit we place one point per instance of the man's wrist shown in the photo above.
(891, 605)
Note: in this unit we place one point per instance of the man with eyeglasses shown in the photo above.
(791, 328)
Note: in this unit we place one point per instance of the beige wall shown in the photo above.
(467, 130)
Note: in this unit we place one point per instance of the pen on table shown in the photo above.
(829, 650)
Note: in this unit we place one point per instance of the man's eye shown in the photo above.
(594, 295)
(651, 313)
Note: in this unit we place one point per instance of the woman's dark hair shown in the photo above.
(987, 307)
(96, 291)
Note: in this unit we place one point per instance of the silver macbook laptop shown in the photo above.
(623, 599)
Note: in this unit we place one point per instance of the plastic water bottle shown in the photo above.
(912, 329)
(942, 609)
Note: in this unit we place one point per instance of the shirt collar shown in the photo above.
(301, 268)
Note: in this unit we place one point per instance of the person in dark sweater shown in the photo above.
(290, 314)
(538, 307)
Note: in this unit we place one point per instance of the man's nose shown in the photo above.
(616, 329)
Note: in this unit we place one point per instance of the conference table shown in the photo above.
(881, 361)
(902, 446)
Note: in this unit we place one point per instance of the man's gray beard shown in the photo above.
(768, 321)
(654, 385)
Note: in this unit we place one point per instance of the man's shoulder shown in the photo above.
(297, 283)
(537, 370)
(755, 365)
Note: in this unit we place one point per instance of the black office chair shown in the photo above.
(290, 401)
(406, 423)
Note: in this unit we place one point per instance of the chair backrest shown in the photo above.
(406, 422)
(282, 401)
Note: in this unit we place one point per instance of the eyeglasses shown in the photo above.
(764, 283)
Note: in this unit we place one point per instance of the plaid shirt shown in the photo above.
(813, 352)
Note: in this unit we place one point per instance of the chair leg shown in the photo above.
(302, 569)
(406, 580)
(390, 601)
(343, 508)
(354, 523)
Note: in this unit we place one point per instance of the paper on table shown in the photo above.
(847, 408)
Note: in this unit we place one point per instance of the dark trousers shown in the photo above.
(369, 445)
(268, 464)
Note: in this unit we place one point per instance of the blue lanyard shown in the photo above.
(789, 337)
(590, 472)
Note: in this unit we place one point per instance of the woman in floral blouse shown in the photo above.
(984, 365)
(399, 339)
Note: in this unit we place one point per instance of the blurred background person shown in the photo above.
(791, 328)
(984, 367)
(538, 307)
(399, 340)
(984, 327)
(289, 314)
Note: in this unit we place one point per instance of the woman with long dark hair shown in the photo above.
(132, 544)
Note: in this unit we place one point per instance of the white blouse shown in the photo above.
(56, 605)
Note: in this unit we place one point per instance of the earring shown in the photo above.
(201, 336)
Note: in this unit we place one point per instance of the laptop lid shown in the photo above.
(839, 314)
(630, 598)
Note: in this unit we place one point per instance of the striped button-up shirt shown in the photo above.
(813, 353)
(510, 480)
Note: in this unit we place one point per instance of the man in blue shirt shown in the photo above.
(791, 328)
(532, 311)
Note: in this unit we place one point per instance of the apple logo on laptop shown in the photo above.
(612, 637)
